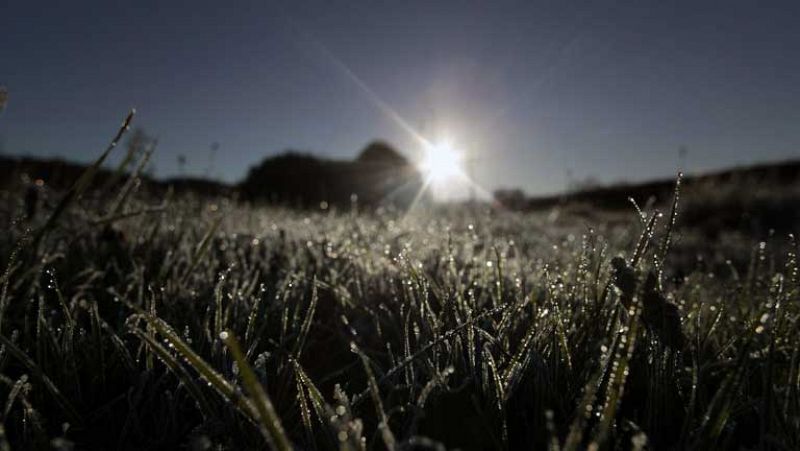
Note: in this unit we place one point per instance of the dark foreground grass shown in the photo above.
(209, 325)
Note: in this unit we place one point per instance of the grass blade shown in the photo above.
(268, 418)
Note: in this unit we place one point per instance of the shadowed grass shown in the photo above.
(472, 329)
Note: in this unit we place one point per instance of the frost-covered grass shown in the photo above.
(208, 324)
(450, 328)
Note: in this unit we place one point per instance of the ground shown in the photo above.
(133, 322)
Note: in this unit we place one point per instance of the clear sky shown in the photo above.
(534, 90)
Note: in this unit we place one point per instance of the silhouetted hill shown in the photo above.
(379, 175)
(57, 173)
(757, 199)
(60, 174)
(378, 152)
(777, 175)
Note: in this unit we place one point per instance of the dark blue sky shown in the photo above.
(534, 89)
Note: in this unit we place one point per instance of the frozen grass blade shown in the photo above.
(80, 186)
(619, 375)
(440, 378)
(305, 413)
(383, 426)
(12, 394)
(6, 280)
(130, 184)
(201, 249)
(673, 215)
(336, 418)
(306, 325)
(37, 373)
(251, 318)
(268, 418)
(720, 408)
(211, 376)
(644, 240)
(178, 369)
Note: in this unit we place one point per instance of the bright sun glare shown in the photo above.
(441, 163)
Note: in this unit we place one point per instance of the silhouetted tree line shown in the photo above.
(379, 175)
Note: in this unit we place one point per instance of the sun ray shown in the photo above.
(412, 206)
(371, 95)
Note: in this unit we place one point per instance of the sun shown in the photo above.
(442, 163)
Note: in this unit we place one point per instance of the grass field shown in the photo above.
(130, 323)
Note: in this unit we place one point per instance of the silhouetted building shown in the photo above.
(379, 175)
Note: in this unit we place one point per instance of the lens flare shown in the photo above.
(442, 163)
